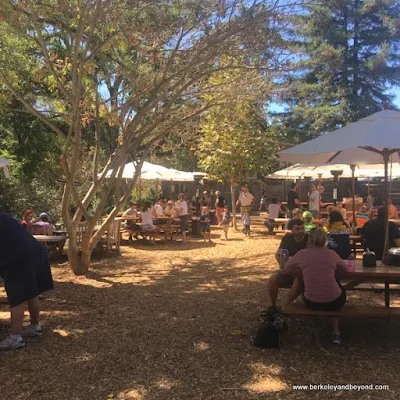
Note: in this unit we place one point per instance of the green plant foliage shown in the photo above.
(347, 60)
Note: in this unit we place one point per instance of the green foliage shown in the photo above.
(348, 57)
(236, 141)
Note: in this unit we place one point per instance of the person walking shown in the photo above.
(263, 201)
(226, 220)
(246, 223)
(314, 201)
(183, 215)
(219, 206)
(245, 201)
(25, 268)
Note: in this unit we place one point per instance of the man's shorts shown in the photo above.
(244, 209)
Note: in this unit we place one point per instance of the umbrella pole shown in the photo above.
(319, 180)
(353, 193)
(386, 155)
(299, 190)
(368, 190)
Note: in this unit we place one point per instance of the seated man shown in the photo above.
(296, 214)
(293, 243)
(170, 210)
(374, 234)
(273, 212)
(393, 213)
(159, 208)
(131, 224)
(42, 227)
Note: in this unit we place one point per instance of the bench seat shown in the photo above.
(346, 311)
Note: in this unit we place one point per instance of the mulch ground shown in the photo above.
(178, 321)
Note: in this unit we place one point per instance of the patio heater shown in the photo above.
(336, 174)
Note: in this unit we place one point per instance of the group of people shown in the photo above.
(37, 226)
(317, 255)
(163, 208)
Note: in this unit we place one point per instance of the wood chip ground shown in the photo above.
(177, 321)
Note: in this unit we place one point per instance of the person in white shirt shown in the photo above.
(183, 215)
(314, 201)
(245, 200)
(159, 208)
(147, 212)
(170, 210)
(273, 212)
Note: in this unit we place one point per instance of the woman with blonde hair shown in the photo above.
(318, 266)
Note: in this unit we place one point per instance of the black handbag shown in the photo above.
(269, 333)
(369, 259)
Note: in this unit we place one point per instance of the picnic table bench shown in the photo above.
(385, 274)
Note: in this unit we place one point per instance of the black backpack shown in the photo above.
(269, 333)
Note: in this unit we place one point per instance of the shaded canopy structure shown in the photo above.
(297, 171)
(372, 140)
(153, 172)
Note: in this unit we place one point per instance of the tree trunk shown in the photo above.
(79, 261)
(233, 206)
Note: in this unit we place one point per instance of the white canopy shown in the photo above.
(359, 143)
(153, 171)
(314, 171)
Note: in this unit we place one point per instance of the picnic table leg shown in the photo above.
(387, 294)
(315, 330)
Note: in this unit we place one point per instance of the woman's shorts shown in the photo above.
(205, 227)
(334, 305)
(184, 222)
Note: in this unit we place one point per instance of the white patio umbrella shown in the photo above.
(372, 140)
(297, 171)
(153, 171)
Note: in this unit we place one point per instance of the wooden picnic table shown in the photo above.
(384, 274)
(50, 239)
(396, 221)
(56, 241)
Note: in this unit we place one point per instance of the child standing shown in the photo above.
(226, 220)
(246, 223)
(205, 220)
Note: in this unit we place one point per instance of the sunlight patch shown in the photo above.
(165, 384)
(61, 332)
(132, 394)
(202, 346)
(266, 384)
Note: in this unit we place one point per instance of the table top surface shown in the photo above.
(46, 238)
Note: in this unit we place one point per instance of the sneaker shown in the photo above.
(336, 338)
(32, 332)
(9, 344)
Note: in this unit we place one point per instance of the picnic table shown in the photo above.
(52, 242)
(385, 274)
(396, 221)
